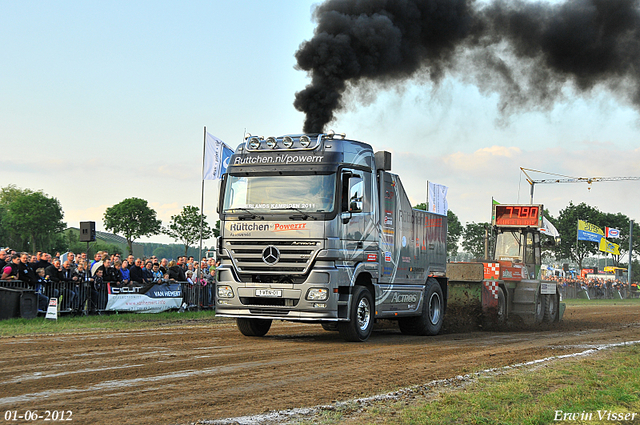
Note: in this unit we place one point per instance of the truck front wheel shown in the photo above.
(360, 323)
(430, 321)
(254, 327)
(540, 308)
(551, 312)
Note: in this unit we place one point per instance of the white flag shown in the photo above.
(548, 228)
(216, 158)
(437, 198)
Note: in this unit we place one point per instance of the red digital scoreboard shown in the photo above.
(517, 215)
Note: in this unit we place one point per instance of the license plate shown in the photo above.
(268, 292)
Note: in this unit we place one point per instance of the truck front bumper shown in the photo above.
(280, 301)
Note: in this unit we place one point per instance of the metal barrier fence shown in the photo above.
(84, 298)
(571, 291)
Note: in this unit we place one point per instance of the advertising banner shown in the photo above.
(611, 232)
(610, 247)
(589, 232)
(159, 297)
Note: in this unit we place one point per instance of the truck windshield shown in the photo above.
(509, 246)
(315, 193)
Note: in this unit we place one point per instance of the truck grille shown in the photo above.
(295, 256)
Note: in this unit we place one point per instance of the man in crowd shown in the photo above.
(131, 260)
(164, 266)
(54, 273)
(69, 274)
(42, 262)
(71, 257)
(182, 263)
(33, 260)
(135, 272)
(3, 256)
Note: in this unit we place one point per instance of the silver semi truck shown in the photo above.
(316, 229)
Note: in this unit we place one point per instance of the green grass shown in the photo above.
(122, 321)
(584, 302)
(607, 381)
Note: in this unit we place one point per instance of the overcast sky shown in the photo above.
(102, 101)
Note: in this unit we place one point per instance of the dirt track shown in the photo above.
(210, 371)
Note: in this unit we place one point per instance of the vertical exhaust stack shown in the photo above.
(526, 51)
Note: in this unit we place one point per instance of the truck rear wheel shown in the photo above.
(254, 327)
(430, 321)
(551, 312)
(360, 323)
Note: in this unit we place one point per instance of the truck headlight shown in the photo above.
(317, 294)
(225, 292)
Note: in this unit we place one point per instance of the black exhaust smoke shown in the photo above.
(528, 52)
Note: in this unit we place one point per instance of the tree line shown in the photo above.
(32, 221)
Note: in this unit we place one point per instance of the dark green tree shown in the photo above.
(473, 238)
(454, 230)
(132, 218)
(567, 225)
(185, 227)
(30, 220)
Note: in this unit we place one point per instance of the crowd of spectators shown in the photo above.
(44, 272)
(595, 287)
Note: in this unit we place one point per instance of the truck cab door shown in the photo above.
(352, 214)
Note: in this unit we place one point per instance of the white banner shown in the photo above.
(437, 198)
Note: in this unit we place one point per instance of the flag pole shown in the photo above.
(629, 268)
(204, 144)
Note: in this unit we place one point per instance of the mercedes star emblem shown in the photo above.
(270, 255)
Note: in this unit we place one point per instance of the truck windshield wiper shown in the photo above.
(250, 214)
(304, 215)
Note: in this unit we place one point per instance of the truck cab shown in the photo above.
(315, 228)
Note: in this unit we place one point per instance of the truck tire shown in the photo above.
(540, 308)
(360, 324)
(330, 326)
(430, 321)
(551, 312)
(254, 327)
